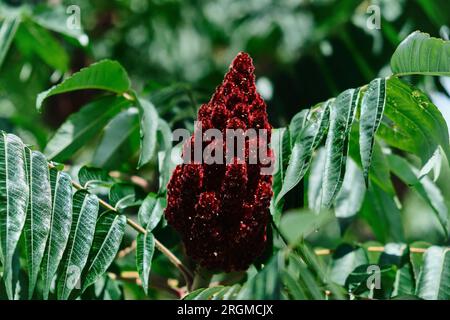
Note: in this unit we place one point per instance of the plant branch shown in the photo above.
(187, 274)
(324, 252)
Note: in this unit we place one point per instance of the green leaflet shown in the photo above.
(151, 211)
(37, 224)
(55, 19)
(281, 147)
(104, 75)
(345, 259)
(120, 134)
(434, 279)
(61, 219)
(165, 163)
(32, 38)
(342, 115)
(92, 177)
(308, 138)
(145, 247)
(85, 210)
(398, 254)
(425, 187)
(125, 194)
(372, 107)
(266, 284)
(7, 32)
(109, 232)
(149, 125)
(297, 124)
(14, 193)
(350, 198)
(315, 180)
(82, 126)
(412, 122)
(421, 54)
(383, 215)
(297, 224)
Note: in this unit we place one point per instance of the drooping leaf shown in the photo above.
(421, 54)
(383, 215)
(37, 224)
(85, 211)
(165, 163)
(372, 108)
(372, 281)
(305, 281)
(151, 211)
(122, 130)
(61, 219)
(34, 39)
(425, 187)
(14, 193)
(315, 180)
(342, 114)
(345, 259)
(308, 138)
(398, 254)
(281, 146)
(109, 232)
(434, 279)
(296, 125)
(266, 284)
(91, 176)
(433, 164)
(104, 75)
(144, 255)
(124, 194)
(148, 127)
(82, 126)
(296, 225)
(379, 169)
(412, 122)
(350, 198)
(54, 18)
(7, 32)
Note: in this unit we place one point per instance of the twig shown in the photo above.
(172, 258)
(126, 251)
(134, 179)
(324, 252)
(156, 282)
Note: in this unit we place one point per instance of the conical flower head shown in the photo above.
(221, 209)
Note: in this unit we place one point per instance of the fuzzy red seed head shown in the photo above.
(222, 210)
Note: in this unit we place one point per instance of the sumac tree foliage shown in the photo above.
(64, 231)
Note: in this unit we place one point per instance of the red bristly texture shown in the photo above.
(222, 210)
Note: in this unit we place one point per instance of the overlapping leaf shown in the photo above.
(307, 139)
(85, 210)
(109, 231)
(372, 107)
(14, 196)
(37, 224)
(144, 254)
(82, 126)
(61, 220)
(434, 279)
(342, 115)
